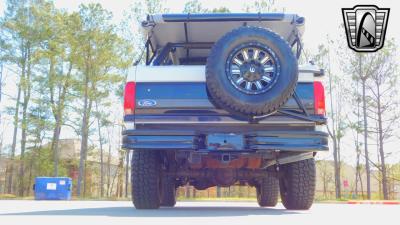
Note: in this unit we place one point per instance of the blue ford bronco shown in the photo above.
(221, 101)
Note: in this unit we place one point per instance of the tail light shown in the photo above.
(319, 98)
(129, 98)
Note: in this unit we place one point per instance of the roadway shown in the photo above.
(24, 212)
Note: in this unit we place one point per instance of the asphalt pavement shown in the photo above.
(24, 212)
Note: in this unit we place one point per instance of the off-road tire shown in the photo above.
(297, 185)
(168, 192)
(268, 191)
(250, 105)
(145, 178)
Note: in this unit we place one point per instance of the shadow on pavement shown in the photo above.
(162, 212)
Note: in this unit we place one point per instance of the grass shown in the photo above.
(7, 196)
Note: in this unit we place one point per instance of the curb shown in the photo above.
(374, 202)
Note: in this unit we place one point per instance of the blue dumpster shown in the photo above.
(53, 188)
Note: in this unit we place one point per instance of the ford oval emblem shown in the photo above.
(147, 102)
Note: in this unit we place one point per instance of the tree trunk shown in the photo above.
(218, 192)
(127, 174)
(101, 155)
(54, 144)
(324, 185)
(333, 135)
(23, 144)
(357, 143)
(108, 164)
(58, 110)
(336, 167)
(113, 181)
(120, 174)
(86, 182)
(361, 184)
(54, 107)
(381, 152)
(109, 169)
(56, 134)
(187, 191)
(357, 170)
(84, 136)
(14, 142)
(31, 161)
(24, 123)
(83, 153)
(335, 145)
(367, 168)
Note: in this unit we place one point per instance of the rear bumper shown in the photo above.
(252, 141)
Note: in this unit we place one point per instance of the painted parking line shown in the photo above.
(375, 202)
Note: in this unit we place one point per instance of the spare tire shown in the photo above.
(251, 71)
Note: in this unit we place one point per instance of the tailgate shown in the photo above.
(178, 95)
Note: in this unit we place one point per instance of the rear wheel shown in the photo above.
(268, 191)
(168, 192)
(297, 186)
(145, 179)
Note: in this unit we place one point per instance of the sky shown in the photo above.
(322, 18)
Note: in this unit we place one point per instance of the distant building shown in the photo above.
(69, 148)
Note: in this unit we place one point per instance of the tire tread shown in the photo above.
(300, 178)
(268, 191)
(145, 177)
